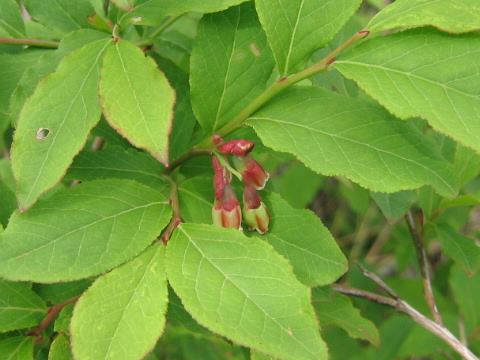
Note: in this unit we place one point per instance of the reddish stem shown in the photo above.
(51, 315)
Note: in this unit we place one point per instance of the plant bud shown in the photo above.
(226, 212)
(236, 147)
(255, 212)
(252, 172)
(221, 178)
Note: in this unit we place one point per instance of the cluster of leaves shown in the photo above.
(102, 117)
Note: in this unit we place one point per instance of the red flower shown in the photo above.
(221, 178)
(226, 212)
(236, 147)
(255, 212)
(252, 172)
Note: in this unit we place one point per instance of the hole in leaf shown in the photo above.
(42, 133)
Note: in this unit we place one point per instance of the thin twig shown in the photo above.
(186, 156)
(417, 237)
(402, 306)
(176, 218)
(378, 281)
(30, 42)
(379, 299)
(51, 315)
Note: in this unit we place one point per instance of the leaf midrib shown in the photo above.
(358, 143)
(54, 241)
(137, 102)
(408, 74)
(147, 267)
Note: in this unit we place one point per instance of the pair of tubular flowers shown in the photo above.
(226, 209)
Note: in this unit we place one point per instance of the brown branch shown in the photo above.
(417, 237)
(379, 299)
(402, 306)
(30, 42)
(176, 218)
(186, 156)
(51, 315)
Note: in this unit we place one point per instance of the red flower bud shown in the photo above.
(236, 147)
(221, 178)
(226, 212)
(255, 212)
(252, 172)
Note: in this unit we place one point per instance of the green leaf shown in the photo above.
(299, 185)
(462, 200)
(296, 28)
(151, 12)
(395, 205)
(16, 348)
(414, 73)
(6, 174)
(466, 292)
(116, 162)
(60, 348)
(422, 343)
(341, 312)
(8, 203)
(452, 16)
(255, 355)
(62, 15)
(241, 288)
(335, 135)
(62, 323)
(122, 315)
(137, 99)
(47, 64)
(196, 200)
(82, 231)
(428, 200)
(61, 291)
(184, 121)
(461, 249)
(20, 307)
(177, 315)
(298, 235)
(12, 68)
(230, 65)
(65, 105)
(393, 333)
(11, 18)
(467, 163)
